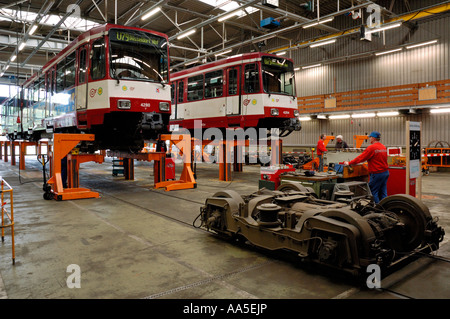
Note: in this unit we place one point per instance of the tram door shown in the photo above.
(233, 99)
(81, 90)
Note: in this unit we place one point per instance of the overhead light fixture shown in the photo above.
(421, 44)
(339, 116)
(392, 113)
(322, 117)
(222, 53)
(281, 53)
(311, 66)
(387, 27)
(150, 13)
(13, 58)
(21, 46)
(387, 52)
(322, 43)
(296, 69)
(362, 115)
(318, 22)
(33, 29)
(304, 118)
(225, 17)
(443, 110)
(6, 68)
(181, 36)
(192, 62)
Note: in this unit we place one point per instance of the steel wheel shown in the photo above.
(413, 214)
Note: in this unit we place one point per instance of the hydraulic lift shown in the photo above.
(63, 144)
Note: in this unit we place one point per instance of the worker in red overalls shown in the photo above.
(376, 157)
(320, 150)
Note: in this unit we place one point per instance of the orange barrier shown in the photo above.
(10, 215)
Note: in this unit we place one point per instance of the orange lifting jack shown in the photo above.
(187, 179)
(62, 145)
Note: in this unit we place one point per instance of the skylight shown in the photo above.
(72, 23)
(227, 5)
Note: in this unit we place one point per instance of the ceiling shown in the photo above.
(241, 34)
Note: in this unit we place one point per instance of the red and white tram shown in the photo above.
(246, 90)
(112, 81)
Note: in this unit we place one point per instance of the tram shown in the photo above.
(111, 81)
(247, 90)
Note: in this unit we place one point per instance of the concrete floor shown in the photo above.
(136, 242)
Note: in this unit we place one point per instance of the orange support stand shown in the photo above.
(359, 140)
(23, 151)
(62, 145)
(187, 179)
(128, 163)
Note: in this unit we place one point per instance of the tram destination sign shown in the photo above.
(134, 37)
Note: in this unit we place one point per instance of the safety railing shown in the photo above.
(409, 95)
(7, 190)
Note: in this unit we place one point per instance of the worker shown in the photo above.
(320, 150)
(376, 157)
(340, 143)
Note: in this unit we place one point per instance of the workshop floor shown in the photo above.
(137, 242)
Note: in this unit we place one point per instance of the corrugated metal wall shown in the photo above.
(435, 127)
(419, 65)
(429, 63)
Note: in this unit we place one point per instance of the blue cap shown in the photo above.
(375, 134)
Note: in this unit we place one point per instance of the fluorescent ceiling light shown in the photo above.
(311, 66)
(181, 36)
(421, 44)
(192, 62)
(33, 29)
(362, 115)
(317, 22)
(222, 53)
(296, 69)
(387, 27)
(322, 43)
(393, 113)
(281, 53)
(6, 68)
(150, 13)
(323, 117)
(13, 58)
(386, 52)
(225, 17)
(22, 45)
(304, 118)
(443, 110)
(340, 116)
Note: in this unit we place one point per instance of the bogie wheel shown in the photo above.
(413, 214)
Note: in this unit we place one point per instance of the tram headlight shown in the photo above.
(124, 104)
(296, 113)
(164, 106)
(274, 112)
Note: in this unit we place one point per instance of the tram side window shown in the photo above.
(41, 89)
(70, 71)
(60, 77)
(213, 84)
(195, 88)
(98, 65)
(82, 72)
(233, 82)
(172, 94)
(180, 92)
(251, 78)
